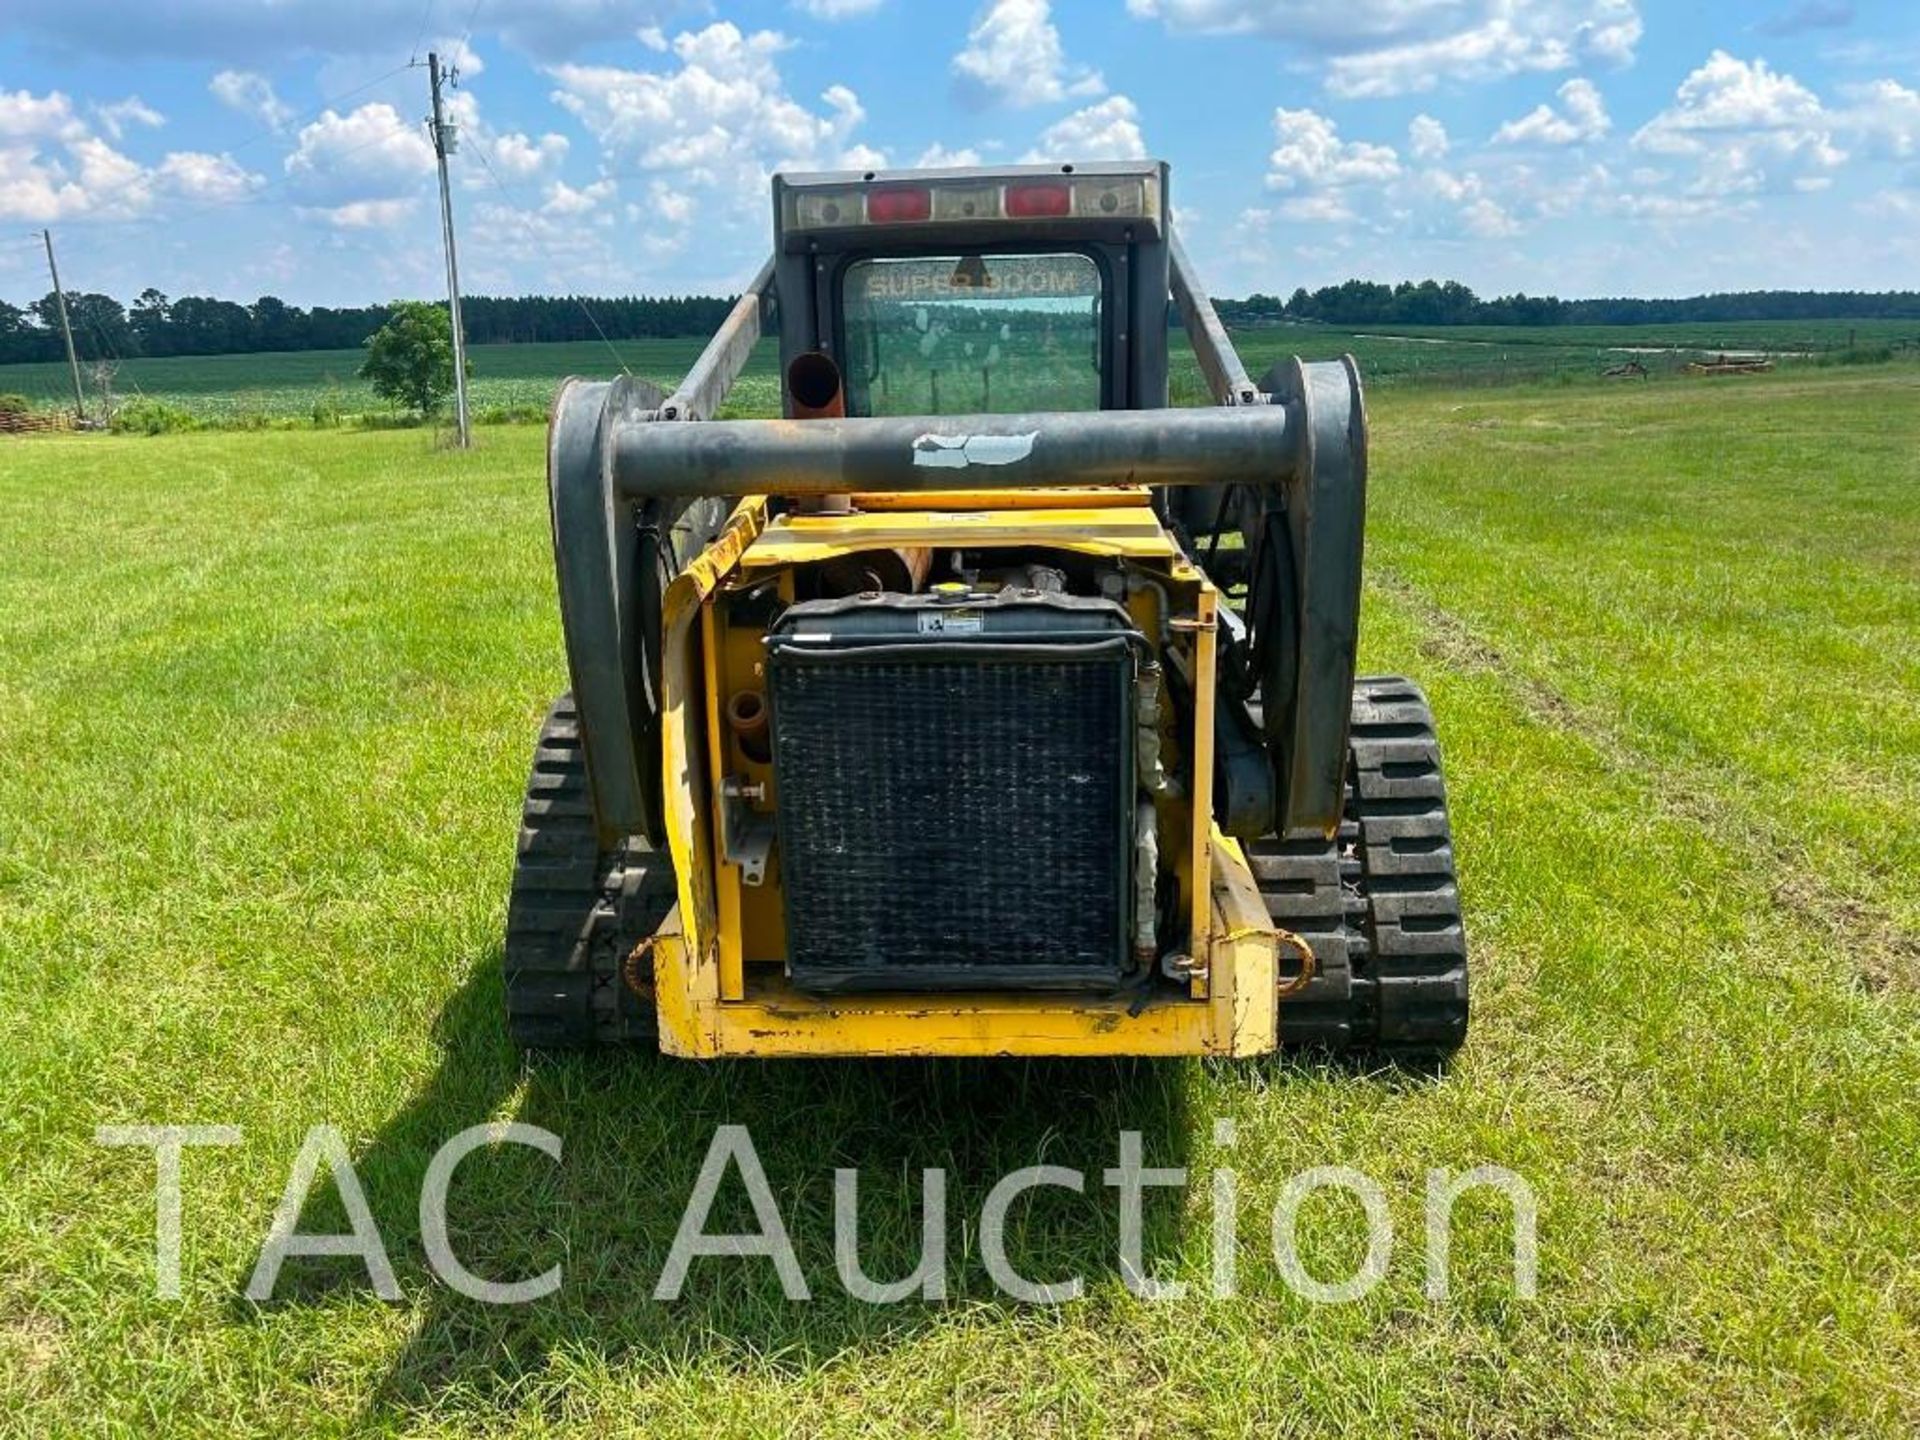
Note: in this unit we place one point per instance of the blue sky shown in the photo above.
(1576, 147)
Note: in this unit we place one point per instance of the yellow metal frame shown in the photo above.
(712, 1002)
(1239, 1017)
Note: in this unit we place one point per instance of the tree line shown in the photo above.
(154, 324)
(202, 325)
(1431, 302)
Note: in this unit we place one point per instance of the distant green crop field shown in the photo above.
(523, 377)
(1518, 354)
(287, 383)
(1707, 336)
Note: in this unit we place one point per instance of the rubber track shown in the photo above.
(574, 914)
(1378, 903)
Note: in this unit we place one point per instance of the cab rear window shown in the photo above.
(963, 334)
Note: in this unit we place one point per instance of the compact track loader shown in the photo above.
(984, 704)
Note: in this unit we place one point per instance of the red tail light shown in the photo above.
(905, 202)
(1027, 202)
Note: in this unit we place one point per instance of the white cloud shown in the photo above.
(110, 180)
(1561, 193)
(615, 246)
(711, 125)
(1746, 126)
(1582, 116)
(26, 116)
(1663, 208)
(667, 204)
(723, 118)
(456, 53)
(837, 9)
(1427, 138)
(1446, 185)
(1311, 155)
(1325, 178)
(359, 170)
(1013, 56)
(564, 199)
(33, 193)
(1328, 207)
(1485, 218)
(116, 118)
(1470, 205)
(1393, 47)
(509, 157)
(1108, 130)
(848, 113)
(1749, 129)
(52, 167)
(361, 214)
(1900, 205)
(1509, 43)
(520, 157)
(250, 94)
(862, 157)
(209, 179)
(1728, 94)
(939, 157)
(1885, 115)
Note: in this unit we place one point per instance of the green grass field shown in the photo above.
(237, 388)
(267, 707)
(283, 385)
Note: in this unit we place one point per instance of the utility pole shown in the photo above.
(445, 140)
(66, 330)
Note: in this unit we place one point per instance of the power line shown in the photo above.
(527, 218)
(472, 15)
(426, 18)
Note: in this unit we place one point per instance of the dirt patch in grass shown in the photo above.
(1885, 955)
(30, 1344)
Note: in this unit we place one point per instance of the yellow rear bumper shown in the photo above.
(1231, 1010)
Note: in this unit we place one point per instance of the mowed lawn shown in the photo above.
(266, 703)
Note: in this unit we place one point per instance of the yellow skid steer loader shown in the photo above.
(983, 704)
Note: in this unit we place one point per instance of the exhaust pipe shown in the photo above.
(815, 392)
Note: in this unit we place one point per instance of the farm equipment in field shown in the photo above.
(983, 703)
(1724, 364)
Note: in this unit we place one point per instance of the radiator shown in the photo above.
(954, 781)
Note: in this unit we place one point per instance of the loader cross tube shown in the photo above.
(903, 454)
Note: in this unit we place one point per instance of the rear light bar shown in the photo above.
(1083, 197)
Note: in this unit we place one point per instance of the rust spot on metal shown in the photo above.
(1304, 953)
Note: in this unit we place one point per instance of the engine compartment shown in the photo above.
(964, 766)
